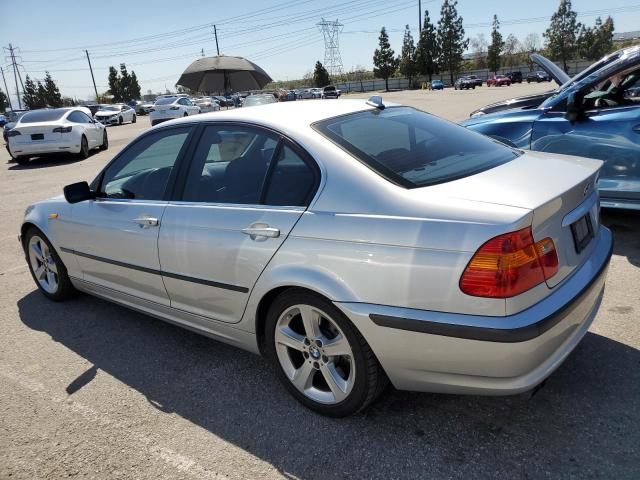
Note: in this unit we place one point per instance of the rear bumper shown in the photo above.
(45, 147)
(452, 353)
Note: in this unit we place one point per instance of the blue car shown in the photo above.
(594, 115)
(437, 85)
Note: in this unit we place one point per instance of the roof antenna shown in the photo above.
(376, 101)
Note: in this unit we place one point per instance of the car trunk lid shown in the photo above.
(558, 189)
(36, 132)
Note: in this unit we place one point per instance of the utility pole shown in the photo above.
(215, 33)
(419, 16)
(15, 74)
(95, 89)
(6, 89)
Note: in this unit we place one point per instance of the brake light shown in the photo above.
(13, 133)
(62, 129)
(509, 264)
(174, 108)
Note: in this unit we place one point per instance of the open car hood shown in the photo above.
(551, 68)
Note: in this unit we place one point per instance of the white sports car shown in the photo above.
(55, 131)
(167, 108)
(116, 114)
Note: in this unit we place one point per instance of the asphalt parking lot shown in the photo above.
(92, 390)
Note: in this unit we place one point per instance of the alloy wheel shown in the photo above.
(43, 264)
(314, 354)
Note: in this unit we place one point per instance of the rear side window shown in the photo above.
(42, 116)
(292, 181)
(230, 165)
(412, 148)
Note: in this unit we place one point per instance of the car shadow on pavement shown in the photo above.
(625, 225)
(583, 423)
(49, 161)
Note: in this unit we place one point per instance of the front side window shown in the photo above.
(412, 148)
(142, 171)
(230, 165)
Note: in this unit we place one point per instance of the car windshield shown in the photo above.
(412, 148)
(43, 116)
(166, 100)
(109, 108)
(258, 100)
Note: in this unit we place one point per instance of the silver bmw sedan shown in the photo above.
(351, 243)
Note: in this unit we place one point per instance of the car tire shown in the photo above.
(356, 376)
(84, 148)
(105, 140)
(21, 160)
(133, 120)
(120, 120)
(46, 267)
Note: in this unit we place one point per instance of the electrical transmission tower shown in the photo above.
(332, 60)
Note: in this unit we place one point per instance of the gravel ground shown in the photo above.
(92, 390)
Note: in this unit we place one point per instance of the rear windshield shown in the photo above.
(166, 101)
(412, 148)
(42, 116)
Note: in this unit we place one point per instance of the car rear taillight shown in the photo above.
(174, 108)
(509, 264)
(13, 133)
(62, 129)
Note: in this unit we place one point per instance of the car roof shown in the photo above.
(279, 115)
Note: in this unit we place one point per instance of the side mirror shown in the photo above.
(574, 108)
(78, 192)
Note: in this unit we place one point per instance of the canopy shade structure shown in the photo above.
(223, 74)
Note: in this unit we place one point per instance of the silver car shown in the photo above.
(350, 243)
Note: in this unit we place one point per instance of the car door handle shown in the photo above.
(147, 221)
(261, 230)
(637, 128)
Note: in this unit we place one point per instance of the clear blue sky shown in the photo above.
(159, 38)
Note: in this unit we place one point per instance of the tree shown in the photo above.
(114, 85)
(530, 44)
(510, 51)
(134, 87)
(595, 42)
(125, 83)
(4, 101)
(451, 38)
(562, 32)
(384, 61)
(52, 96)
(495, 49)
(479, 47)
(427, 50)
(407, 64)
(320, 75)
(30, 96)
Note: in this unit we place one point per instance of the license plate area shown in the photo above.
(582, 231)
(37, 136)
